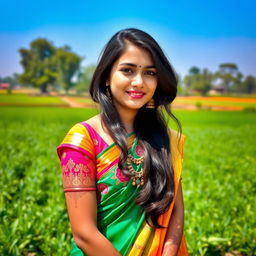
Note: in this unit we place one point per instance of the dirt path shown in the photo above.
(72, 103)
(75, 104)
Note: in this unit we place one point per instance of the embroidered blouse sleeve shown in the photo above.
(78, 171)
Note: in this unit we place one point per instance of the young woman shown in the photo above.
(122, 168)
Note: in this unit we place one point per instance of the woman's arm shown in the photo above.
(175, 228)
(82, 211)
(79, 181)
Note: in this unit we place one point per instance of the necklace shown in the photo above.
(135, 166)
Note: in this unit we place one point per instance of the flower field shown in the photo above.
(219, 181)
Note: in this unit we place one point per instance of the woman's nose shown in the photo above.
(137, 80)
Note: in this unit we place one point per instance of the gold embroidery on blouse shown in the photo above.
(70, 164)
(77, 175)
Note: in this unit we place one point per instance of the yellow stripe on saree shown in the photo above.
(78, 137)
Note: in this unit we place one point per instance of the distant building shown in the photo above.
(217, 87)
(216, 90)
(4, 85)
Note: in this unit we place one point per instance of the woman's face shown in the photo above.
(133, 79)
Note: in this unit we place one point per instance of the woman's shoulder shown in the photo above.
(78, 137)
(94, 122)
(98, 129)
(81, 128)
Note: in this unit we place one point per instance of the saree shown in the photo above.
(119, 218)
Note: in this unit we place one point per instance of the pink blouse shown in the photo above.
(78, 171)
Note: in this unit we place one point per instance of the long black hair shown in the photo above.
(150, 125)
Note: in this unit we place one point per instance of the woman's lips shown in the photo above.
(135, 94)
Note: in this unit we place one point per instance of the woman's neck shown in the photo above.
(127, 118)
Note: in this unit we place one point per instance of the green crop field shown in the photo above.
(219, 181)
(17, 99)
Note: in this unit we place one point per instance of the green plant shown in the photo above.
(198, 105)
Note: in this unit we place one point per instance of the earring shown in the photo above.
(108, 93)
(151, 104)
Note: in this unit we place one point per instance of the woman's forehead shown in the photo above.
(135, 55)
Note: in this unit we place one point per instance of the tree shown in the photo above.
(85, 78)
(198, 80)
(202, 86)
(39, 69)
(67, 64)
(203, 82)
(229, 75)
(194, 71)
(44, 65)
(249, 84)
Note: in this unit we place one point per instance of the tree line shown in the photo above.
(48, 67)
(227, 79)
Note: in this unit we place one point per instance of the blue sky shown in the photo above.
(201, 33)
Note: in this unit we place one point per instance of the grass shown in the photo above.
(27, 99)
(218, 181)
(33, 216)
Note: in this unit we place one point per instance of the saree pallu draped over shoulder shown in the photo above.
(119, 218)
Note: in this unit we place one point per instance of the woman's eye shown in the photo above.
(126, 70)
(150, 73)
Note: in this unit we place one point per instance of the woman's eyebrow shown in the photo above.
(134, 65)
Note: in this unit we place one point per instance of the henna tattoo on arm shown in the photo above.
(76, 196)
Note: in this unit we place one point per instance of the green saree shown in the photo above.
(119, 218)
